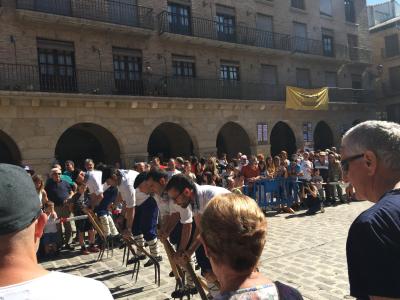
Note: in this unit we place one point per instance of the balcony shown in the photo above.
(28, 78)
(212, 30)
(359, 55)
(96, 10)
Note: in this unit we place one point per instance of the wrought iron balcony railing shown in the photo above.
(213, 30)
(360, 55)
(108, 11)
(28, 78)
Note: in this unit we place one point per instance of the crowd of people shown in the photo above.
(198, 205)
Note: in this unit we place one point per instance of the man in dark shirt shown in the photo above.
(371, 163)
(59, 191)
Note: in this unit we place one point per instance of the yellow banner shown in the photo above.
(307, 99)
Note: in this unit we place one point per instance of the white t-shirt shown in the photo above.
(172, 173)
(204, 194)
(126, 187)
(93, 182)
(51, 225)
(141, 197)
(56, 285)
(167, 207)
(306, 167)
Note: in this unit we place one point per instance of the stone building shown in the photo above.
(123, 80)
(384, 22)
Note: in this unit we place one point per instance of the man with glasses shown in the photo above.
(59, 192)
(187, 194)
(371, 163)
(21, 227)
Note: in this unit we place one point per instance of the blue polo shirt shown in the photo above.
(373, 250)
(57, 192)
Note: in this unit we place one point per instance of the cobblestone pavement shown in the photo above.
(307, 252)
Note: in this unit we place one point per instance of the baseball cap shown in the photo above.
(139, 179)
(19, 202)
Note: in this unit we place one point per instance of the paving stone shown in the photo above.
(307, 253)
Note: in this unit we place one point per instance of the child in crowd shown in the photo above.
(80, 202)
(318, 182)
(50, 236)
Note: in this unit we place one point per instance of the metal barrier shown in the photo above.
(271, 193)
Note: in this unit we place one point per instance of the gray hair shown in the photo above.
(380, 137)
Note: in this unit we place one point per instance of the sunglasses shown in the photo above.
(345, 163)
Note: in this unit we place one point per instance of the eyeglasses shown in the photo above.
(174, 198)
(345, 163)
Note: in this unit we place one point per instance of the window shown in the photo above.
(350, 11)
(394, 78)
(128, 71)
(56, 66)
(327, 42)
(325, 7)
(179, 18)
(226, 27)
(265, 35)
(229, 72)
(303, 78)
(298, 4)
(352, 41)
(226, 23)
(269, 74)
(331, 79)
(392, 45)
(300, 37)
(183, 66)
(262, 133)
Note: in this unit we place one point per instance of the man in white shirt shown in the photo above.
(21, 226)
(124, 180)
(171, 170)
(187, 194)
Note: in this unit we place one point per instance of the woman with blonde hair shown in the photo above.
(233, 231)
(39, 185)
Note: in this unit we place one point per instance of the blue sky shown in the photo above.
(375, 1)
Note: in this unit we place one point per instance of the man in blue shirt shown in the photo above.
(59, 191)
(371, 163)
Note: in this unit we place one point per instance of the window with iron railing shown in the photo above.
(179, 18)
(303, 78)
(56, 66)
(350, 11)
(226, 27)
(327, 45)
(298, 4)
(184, 68)
(392, 45)
(127, 71)
(228, 72)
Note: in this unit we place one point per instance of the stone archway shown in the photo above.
(9, 152)
(87, 140)
(170, 140)
(231, 139)
(282, 138)
(323, 136)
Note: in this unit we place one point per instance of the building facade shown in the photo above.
(122, 81)
(385, 38)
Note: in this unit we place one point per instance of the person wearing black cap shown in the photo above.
(21, 227)
(146, 215)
